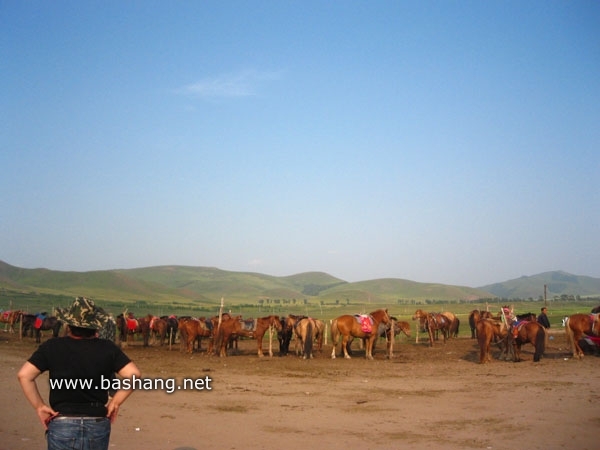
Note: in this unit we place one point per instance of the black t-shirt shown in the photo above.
(79, 361)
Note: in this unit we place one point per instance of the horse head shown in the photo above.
(381, 316)
(419, 313)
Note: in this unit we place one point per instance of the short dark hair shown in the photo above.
(543, 308)
(82, 332)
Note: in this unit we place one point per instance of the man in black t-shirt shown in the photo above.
(542, 319)
(77, 364)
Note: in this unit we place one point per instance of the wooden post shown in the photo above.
(417, 332)
(392, 339)
(271, 341)
(220, 315)
(325, 337)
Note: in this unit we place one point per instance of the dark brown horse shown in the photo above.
(488, 331)
(576, 326)
(433, 323)
(530, 317)
(284, 337)
(35, 324)
(529, 332)
(10, 318)
(366, 327)
(129, 326)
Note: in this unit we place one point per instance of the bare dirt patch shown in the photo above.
(434, 398)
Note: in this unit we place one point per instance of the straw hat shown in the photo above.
(83, 313)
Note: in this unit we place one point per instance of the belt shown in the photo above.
(95, 419)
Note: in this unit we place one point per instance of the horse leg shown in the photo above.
(577, 350)
(259, 339)
(369, 347)
(344, 346)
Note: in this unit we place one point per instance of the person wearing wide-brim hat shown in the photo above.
(80, 357)
(83, 313)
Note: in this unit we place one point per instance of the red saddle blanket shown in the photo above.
(132, 324)
(366, 323)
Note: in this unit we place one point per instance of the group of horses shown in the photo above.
(31, 324)
(445, 323)
(222, 332)
(509, 331)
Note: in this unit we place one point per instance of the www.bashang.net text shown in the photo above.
(169, 385)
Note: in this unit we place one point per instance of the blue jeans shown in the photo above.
(78, 434)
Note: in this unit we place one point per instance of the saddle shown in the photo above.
(365, 321)
(39, 320)
(132, 324)
(249, 324)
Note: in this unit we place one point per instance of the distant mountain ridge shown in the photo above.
(208, 285)
(557, 283)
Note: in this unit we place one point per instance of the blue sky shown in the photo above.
(437, 141)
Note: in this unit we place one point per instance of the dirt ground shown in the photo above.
(433, 398)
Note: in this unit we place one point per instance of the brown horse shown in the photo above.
(227, 331)
(305, 329)
(128, 326)
(529, 332)
(576, 326)
(366, 328)
(158, 329)
(454, 324)
(192, 330)
(489, 330)
(318, 332)
(474, 317)
(433, 323)
(10, 318)
(261, 325)
(386, 331)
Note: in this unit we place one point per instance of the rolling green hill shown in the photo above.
(185, 287)
(207, 285)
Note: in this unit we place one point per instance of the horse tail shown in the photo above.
(540, 343)
(308, 339)
(335, 332)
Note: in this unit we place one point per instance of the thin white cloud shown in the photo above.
(240, 84)
(257, 262)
